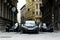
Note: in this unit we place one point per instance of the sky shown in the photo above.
(19, 5)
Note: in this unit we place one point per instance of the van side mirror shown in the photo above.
(22, 24)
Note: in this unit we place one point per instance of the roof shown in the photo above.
(22, 7)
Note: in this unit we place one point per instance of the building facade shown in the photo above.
(47, 12)
(6, 15)
(52, 8)
(23, 12)
(33, 10)
(30, 10)
(38, 13)
(56, 11)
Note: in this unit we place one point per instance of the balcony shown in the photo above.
(38, 16)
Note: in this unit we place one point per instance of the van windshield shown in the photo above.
(30, 23)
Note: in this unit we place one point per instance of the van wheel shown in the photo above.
(37, 32)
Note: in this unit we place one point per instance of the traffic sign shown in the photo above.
(13, 9)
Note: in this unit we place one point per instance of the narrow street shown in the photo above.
(32, 16)
(40, 36)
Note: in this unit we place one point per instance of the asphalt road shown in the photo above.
(40, 36)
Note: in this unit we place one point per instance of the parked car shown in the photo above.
(43, 27)
(8, 27)
(29, 26)
(13, 28)
(50, 28)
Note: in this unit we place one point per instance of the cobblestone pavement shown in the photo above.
(40, 36)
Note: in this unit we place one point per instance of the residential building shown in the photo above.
(23, 12)
(6, 14)
(30, 10)
(33, 10)
(56, 11)
(47, 12)
(52, 8)
(38, 13)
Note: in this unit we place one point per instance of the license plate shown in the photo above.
(30, 28)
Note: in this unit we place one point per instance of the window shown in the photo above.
(33, 12)
(40, 0)
(40, 5)
(5, 1)
(36, 12)
(7, 12)
(28, 9)
(36, 6)
(0, 9)
(32, 0)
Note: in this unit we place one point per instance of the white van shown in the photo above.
(30, 26)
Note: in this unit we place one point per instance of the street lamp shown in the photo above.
(13, 9)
